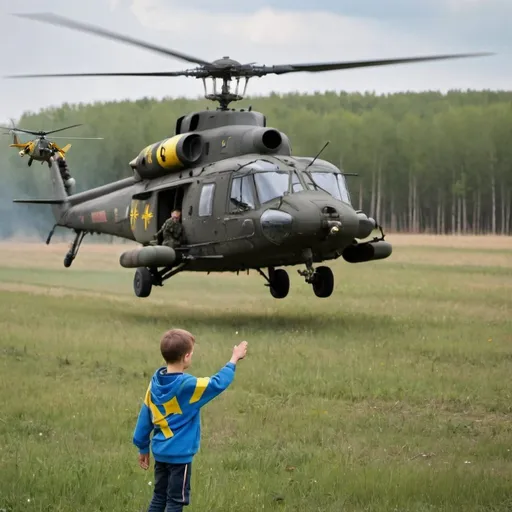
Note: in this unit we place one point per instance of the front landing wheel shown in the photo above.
(279, 283)
(142, 282)
(323, 282)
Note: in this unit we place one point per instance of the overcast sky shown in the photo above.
(266, 31)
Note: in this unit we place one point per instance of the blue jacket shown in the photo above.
(171, 408)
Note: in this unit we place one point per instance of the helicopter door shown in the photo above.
(169, 200)
(242, 199)
(206, 210)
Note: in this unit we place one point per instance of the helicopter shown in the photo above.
(41, 149)
(247, 202)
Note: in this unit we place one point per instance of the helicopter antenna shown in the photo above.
(313, 161)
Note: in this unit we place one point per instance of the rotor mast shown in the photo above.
(226, 73)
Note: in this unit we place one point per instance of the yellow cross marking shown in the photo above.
(147, 216)
(134, 214)
(171, 407)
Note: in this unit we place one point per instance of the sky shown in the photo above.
(266, 32)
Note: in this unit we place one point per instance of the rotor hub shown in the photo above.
(226, 63)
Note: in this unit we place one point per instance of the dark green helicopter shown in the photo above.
(246, 201)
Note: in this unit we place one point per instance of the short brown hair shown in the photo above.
(175, 344)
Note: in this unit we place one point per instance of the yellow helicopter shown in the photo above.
(41, 149)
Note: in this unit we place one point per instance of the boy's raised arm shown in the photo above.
(207, 388)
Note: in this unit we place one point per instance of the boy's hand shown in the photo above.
(144, 460)
(239, 352)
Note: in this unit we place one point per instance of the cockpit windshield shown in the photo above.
(331, 182)
(261, 181)
(269, 179)
(271, 184)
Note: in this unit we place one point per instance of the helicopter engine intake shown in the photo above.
(168, 155)
(263, 140)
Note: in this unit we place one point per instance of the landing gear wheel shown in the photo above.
(68, 259)
(279, 283)
(323, 282)
(142, 282)
(73, 250)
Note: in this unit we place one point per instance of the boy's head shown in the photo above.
(177, 347)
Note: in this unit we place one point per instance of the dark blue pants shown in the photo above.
(172, 487)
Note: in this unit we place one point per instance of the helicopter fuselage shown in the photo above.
(39, 150)
(250, 212)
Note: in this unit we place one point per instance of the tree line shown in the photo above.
(426, 162)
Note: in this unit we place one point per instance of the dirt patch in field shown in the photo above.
(422, 249)
(455, 257)
(483, 242)
(40, 255)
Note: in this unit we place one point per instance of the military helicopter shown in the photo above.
(42, 149)
(246, 201)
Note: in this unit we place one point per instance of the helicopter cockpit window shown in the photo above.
(206, 200)
(242, 195)
(342, 183)
(332, 183)
(271, 184)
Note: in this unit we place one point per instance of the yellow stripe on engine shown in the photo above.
(201, 385)
(166, 154)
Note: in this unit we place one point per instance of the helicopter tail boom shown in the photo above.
(59, 202)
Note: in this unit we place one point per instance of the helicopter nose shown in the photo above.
(310, 219)
(340, 220)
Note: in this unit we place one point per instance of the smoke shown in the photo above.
(18, 182)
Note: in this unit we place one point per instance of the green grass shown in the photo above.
(392, 395)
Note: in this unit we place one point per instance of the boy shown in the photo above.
(171, 407)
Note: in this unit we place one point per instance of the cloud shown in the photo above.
(462, 5)
(274, 36)
(113, 4)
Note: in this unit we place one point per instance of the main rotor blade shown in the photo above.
(192, 72)
(62, 129)
(331, 66)
(20, 130)
(61, 21)
(78, 138)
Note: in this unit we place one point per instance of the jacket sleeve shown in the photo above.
(205, 389)
(143, 429)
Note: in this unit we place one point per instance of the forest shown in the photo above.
(426, 162)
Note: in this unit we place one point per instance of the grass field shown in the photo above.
(395, 394)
